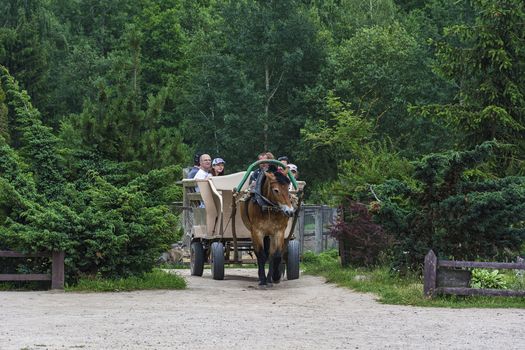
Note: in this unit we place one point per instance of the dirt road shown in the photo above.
(233, 314)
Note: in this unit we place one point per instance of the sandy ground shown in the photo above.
(234, 314)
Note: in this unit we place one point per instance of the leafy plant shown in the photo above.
(482, 278)
(322, 258)
(362, 242)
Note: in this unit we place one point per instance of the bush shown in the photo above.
(487, 279)
(458, 215)
(361, 241)
(310, 257)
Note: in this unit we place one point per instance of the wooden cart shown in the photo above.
(215, 230)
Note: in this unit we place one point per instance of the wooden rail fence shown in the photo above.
(57, 268)
(444, 277)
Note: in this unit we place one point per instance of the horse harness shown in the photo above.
(257, 197)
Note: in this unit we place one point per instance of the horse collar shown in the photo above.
(264, 203)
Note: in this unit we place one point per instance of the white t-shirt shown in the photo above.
(202, 175)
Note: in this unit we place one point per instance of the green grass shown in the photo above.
(393, 289)
(157, 279)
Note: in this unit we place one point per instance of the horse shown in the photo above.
(266, 215)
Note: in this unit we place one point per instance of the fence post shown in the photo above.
(429, 286)
(57, 270)
(318, 229)
(301, 228)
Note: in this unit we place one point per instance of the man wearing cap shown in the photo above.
(217, 167)
(293, 169)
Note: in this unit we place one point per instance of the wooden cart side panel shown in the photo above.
(211, 216)
(229, 182)
(241, 230)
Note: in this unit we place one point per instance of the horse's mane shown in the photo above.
(279, 175)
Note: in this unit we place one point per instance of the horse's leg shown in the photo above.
(258, 246)
(275, 256)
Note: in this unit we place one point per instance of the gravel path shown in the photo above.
(234, 314)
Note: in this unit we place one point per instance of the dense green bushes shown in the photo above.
(108, 229)
(458, 215)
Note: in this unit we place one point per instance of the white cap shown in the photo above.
(292, 167)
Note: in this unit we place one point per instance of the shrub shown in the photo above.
(361, 241)
(458, 215)
(111, 220)
(482, 278)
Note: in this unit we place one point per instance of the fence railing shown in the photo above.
(57, 268)
(449, 277)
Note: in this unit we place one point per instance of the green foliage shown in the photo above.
(342, 151)
(459, 216)
(341, 19)
(485, 61)
(132, 88)
(382, 70)
(122, 233)
(393, 288)
(36, 142)
(105, 229)
(247, 77)
(322, 258)
(4, 123)
(157, 279)
(482, 278)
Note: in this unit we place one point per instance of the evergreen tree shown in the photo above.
(485, 60)
(36, 142)
(246, 79)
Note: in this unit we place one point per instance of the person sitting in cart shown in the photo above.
(195, 168)
(217, 167)
(262, 167)
(283, 159)
(204, 171)
(293, 168)
(204, 167)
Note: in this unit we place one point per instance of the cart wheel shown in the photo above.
(196, 259)
(292, 262)
(217, 261)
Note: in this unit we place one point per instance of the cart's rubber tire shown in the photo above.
(217, 261)
(196, 258)
(292, 261)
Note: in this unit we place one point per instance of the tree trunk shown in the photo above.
(266, 107)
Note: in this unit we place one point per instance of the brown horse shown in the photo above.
(266, 215)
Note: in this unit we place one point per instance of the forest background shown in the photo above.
(408, 113)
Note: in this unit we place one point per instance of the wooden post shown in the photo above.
(301, 229)
(234, 232)
(318, 229)
(430, 273)
(57, 270)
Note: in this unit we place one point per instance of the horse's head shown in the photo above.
(276, 189)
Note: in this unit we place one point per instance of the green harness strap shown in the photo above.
(255, 164)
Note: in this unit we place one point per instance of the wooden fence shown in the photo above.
(57, 268)
(450, 277)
